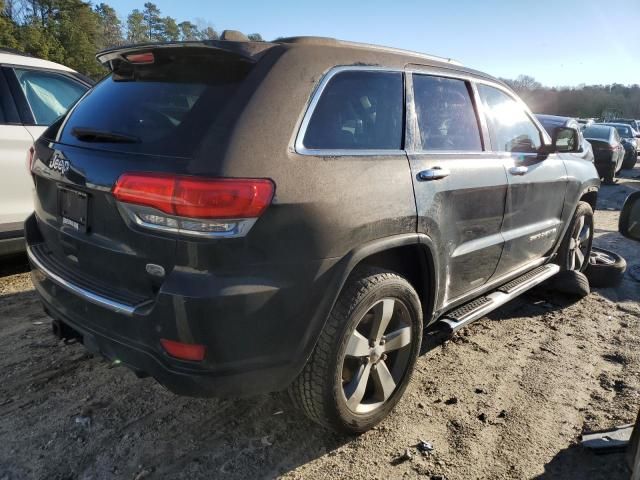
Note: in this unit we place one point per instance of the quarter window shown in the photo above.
(510, 127)
(446, 116)
(358, 110)
(48, 94)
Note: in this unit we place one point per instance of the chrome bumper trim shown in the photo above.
(91, 297)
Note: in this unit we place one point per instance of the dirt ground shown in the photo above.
(506, 398)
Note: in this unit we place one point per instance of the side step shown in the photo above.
(478, 308)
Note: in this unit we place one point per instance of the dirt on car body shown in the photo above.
(507, 397)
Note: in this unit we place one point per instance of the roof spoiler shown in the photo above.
(250, 51)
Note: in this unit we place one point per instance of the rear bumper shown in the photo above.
(257, 331)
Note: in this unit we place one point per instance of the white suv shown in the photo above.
(33, 94)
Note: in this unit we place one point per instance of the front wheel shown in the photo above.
(576, 246)
(365, 355)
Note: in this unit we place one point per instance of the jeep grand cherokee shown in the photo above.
(236, 217)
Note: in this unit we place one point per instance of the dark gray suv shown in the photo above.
(237, 217)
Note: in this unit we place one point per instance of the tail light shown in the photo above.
(191, 205)
(30, 156)
(183, 351)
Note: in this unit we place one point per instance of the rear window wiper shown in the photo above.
(94, 135)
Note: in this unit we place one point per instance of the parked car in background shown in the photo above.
(585, 122)
(33, 93)
(241, 217)
(630, 140)
(551, 122)
(607, 150)
(635, 124)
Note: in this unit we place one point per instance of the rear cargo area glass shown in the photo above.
(163, 108)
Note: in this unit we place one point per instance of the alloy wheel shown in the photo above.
(377, 356)
(579, 244)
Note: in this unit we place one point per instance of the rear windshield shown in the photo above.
(601, 133)
(624, 131)
(164, 108)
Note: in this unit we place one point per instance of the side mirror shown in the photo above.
(565, 139)
(629, 223)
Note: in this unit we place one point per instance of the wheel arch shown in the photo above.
(384, 253)
(590, 195)
(411, 256)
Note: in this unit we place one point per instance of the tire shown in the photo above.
(609, 177)
(630, 160)
(633, 450)
(605, 268)
(577, 240)
(571, 283)
(331, 373)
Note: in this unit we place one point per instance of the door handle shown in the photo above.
(518, 170)
(435, 173)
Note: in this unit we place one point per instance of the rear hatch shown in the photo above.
(150, 115)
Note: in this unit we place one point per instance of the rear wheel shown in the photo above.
(364, 357)
(630, 160)
(610, 175)
(576, 245)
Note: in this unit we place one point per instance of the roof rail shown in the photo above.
(311, 40)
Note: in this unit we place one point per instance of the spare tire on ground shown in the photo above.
(606, 268)
(570, 282)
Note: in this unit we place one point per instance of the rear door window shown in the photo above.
(510, 128)
(446, 116)
(48, 94)
(358, 110)
(163, 108)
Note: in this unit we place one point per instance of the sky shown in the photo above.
(559, 43)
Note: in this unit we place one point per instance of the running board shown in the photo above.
(478, 308)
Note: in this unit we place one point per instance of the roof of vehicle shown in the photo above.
(616, 124)
(599, 125)
(555, 119)
(253, 51)
(13, 57)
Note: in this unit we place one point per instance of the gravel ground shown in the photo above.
(507, 397)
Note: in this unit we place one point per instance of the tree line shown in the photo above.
(72, 31)
(585, 101)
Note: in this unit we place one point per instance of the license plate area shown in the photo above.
(73, 208)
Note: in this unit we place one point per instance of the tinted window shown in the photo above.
(446, 116)
(600, 133)
(510, 127)
(358, 110)
(49, 94)
(163, 108)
